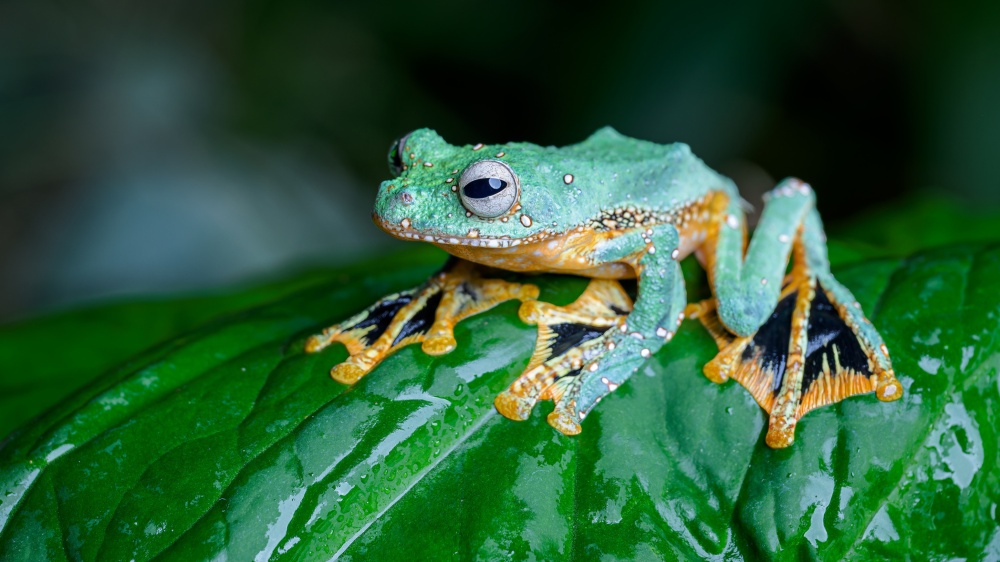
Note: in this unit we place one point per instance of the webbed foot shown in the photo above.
(591, 347)
(426, 314)
(795, 346)
(815, 349)
(569, 338)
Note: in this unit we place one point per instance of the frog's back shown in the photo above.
(589, 183)
(606, 145)
(596, 190)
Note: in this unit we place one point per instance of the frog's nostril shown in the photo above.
(405, 198)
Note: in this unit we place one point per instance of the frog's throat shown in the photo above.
(570, 252)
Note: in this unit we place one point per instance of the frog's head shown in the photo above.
(479, 195)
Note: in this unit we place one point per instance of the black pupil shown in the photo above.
(483, 187)
(396, 156)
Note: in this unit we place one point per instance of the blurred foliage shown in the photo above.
(867, 100)
(860, 97)
(914, 223)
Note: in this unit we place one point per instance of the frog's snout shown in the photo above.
(394, 204)
(395, 196)
(398, 204)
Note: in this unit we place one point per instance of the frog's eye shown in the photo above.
(488, 188)
(396, 155)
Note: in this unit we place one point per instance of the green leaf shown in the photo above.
(225, 439)
(230, 440)
(44, 360)
(77, 346)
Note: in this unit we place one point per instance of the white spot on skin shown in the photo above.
(611, 345)
(473, 233)
(652, 249)
(889, 390)
(428, 164)
(661, 332)
(885, 350)
(644, 352)
(568, 179)
(501, 154)
(405, 223)
(783, 238)
(526, 220)
(478, 146)
(763, 281)
(637, 336)
(732, 221)
(449, 180)
(675, 253)
(592, 368)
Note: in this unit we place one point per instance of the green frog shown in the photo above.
(611, 208)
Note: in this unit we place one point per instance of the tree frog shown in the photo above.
(610, 208)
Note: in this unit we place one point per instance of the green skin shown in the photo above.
(610, 171)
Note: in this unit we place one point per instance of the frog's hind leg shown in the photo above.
(426, 315)
(814, 347)
(568, 338)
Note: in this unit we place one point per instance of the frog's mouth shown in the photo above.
(403, 231)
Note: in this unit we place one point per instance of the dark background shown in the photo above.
(155, 147)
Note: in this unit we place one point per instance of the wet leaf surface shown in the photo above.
(229, 440)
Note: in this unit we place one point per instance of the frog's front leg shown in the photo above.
(613, 347)
(796, 342)
(425, 314)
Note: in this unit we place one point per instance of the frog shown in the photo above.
(613, 208)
